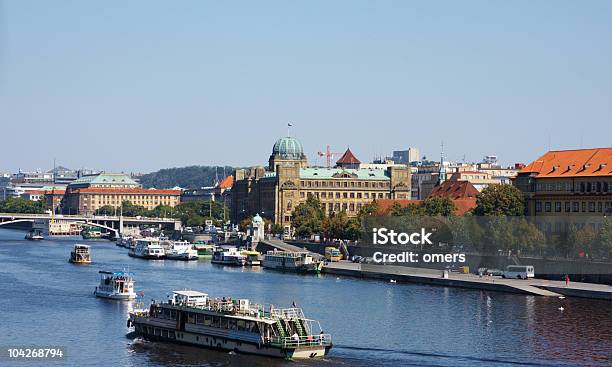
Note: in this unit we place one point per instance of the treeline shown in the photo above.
(21, 205)
(186, 177)
(191, 214)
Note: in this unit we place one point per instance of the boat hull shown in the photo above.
(115, 296)
(227, 343)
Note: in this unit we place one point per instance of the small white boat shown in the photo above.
(229, 256)
(81, 254)
(118, 285)
(180, 250)
(147, 248)
(34, 235)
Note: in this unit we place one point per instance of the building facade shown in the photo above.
(89, 193)
(274, 191)
(568, 182)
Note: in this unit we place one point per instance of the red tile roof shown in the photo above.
(454, 190)
(348, 158)
(227, 182)
(572, 163)
(462, 205)
(99, 190)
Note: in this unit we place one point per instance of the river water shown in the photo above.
(44, 300)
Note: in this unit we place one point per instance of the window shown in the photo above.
(591, 206)
(568, 206)
(576, 207)
(547, 207)
(558, 206)
(584, 207)
(538, 206)
(600, 206)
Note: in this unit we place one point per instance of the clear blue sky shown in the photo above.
(142, 85)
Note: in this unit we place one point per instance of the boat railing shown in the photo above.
(287, 313)
(302, 341)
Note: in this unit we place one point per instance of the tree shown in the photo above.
(604, 245)
(308, 217)
(397, 210)
(106, 210)
(21, 205)
(438, 206)
(500, 199)
(334, 225)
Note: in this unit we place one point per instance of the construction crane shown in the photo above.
(329, 155)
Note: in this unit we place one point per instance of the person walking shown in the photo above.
(567, 280)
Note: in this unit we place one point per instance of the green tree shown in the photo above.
(500, 199)
(438, 206)
(21, 205)
(106, 210)
(308, 217)
(410, 210)
(604, 245)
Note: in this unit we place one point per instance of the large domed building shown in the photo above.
(287, 150)
(274, 191)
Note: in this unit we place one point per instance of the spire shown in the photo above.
(442, 169)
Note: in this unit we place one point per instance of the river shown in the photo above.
(44, 300)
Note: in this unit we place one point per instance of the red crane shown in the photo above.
(329, 155)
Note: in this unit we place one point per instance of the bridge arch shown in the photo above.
(16, 221)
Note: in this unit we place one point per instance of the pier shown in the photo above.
(404, 274)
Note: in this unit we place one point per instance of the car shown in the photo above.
(494, 272)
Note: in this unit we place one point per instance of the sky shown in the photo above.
(136, 86)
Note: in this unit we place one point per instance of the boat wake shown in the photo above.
(449, 356)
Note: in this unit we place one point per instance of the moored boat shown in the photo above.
(253, 258)
(180, 250)
(80, 254)
(205, 251)
(299, 262)
(117, 285)
(228, 256)
(147, 248)
(192, 318)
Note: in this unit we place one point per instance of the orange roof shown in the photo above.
(348, 158)
(99, 190)
(454, 190)
(572, 163)
(55, 192)
(462, 205)
(227, 182)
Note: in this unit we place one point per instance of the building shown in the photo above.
(89, 193)
(274, 191)
(406, 156)
(568, 182)
(221, 192)
(479, 179)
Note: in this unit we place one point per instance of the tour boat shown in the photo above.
(252, 257)
(147, 248)
(91, 233)
(81, 254)
(34, 235)
(180, 250)
(300, 262)
(228, 256)
(193, 318)
(118, 285)
(204, 251)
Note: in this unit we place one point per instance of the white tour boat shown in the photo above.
(229, 256)
(147, 248)
(180, 250)
(81, 254)
(117, 285)
(299, 262)
(192, 318)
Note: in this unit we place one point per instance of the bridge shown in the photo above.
(116, 224)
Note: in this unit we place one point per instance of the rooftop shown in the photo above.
(340, 173)
(348, 158)
(454, 190)
(572, 163)
(104, 179)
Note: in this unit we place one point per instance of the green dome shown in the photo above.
(288, 148)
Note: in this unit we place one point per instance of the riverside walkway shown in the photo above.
(538, 287)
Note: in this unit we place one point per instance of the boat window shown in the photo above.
(157, 332)
(191, 318)
(207, 320)
(223, 323)
(232, 324)
(200, 318)
(241, 324)
(171, 335)
(216, 321)
(165, 333)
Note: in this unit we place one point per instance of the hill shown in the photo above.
(185, 177)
